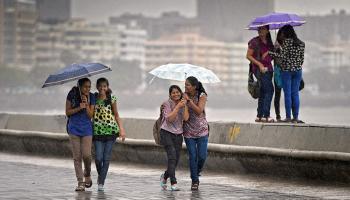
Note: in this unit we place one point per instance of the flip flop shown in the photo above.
(88, 182)
(80, 187)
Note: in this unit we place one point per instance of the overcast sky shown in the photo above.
(100, 10)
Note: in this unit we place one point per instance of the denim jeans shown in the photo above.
(172, 144)
(277, 100)
(291, 83)
(103, 151)
(197, 153)
(266, 93)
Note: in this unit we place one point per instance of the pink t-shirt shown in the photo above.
(176, 126)
(197, 125)
(255, 44)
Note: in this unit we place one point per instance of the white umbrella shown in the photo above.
(179, 72)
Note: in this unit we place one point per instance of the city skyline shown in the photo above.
(84, 8)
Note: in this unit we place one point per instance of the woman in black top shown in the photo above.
(291, 58)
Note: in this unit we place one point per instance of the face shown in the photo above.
(102, 88)
(189, 88)
(85, 89)
(175, 95)
(263, 31)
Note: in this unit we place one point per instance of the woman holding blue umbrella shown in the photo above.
(263, 71)
(80, 110)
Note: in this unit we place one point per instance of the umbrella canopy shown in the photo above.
(276, 21)
(75, 72)
(180, 72)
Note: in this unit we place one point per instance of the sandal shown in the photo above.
(80, 187)
(258, 119)
(88, 182)
(194, 186)
(286, 120)
(297, 121)
(269, 120)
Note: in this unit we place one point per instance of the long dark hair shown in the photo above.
(199, 86)
(280, 37)
(109, 91)
(76, 89)
(172, 87)
(268, 37)
(288, 32)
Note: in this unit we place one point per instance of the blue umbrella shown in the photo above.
(75, 72)
(276, 21)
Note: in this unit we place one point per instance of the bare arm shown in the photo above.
(172, 115)
(250, 57)
(186, 114)
(90, 110)
(198, 109)
(69, 110)
(119, 121)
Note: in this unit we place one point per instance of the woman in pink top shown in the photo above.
(261, 65)
(196, 129)
(174, 112)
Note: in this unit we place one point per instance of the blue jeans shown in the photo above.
(103, 151)
(266, 94)
(291, 83)
(197, 152)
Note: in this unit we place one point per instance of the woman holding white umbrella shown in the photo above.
(196, 129)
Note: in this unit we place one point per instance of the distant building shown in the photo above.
(132, 41)
(49, 45)
(194, 49)
(225, 20)
(323, 29)
(54, 11)
(17, 35)
(92, 42)
(167, 23)
(239, 68)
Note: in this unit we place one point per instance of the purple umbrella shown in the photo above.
(276, 21)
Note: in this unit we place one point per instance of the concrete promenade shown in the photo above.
(29, 177)
(309, 151)
(245, 161)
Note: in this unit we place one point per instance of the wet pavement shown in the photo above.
(28, 177)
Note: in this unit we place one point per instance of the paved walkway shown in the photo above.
(26, 177)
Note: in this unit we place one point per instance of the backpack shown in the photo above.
(156, 127)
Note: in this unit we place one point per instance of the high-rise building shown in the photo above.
(191, 48)
(167, 23)
(91, 42)
(132, 43)
(17, 35)
(227, 19)
(49, 45)
(54, 11)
